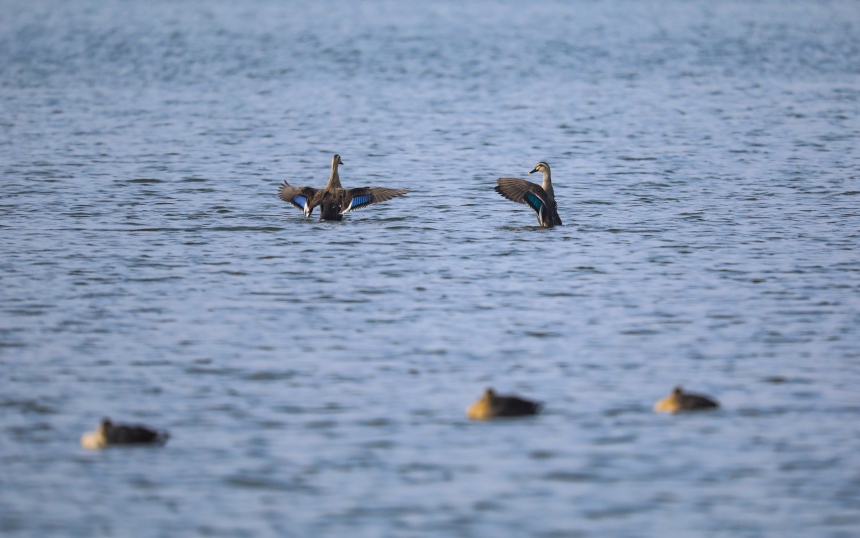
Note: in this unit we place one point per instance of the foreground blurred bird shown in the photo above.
(333, 199)
(679, 401)
(492, 405)
(541, 198)
(109, 433)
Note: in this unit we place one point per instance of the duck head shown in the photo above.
(671, 403)
(97, 439)
(483, 408)
(541, 167)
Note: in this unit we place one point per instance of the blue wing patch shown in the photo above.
(534, 202)
(360, 201)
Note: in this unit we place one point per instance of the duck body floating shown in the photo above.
(333, 200)
(541, 198)
(108, 434)
(492, 405)
(679, 401)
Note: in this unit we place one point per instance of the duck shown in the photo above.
(108, 434)
(333, 200)
(541, 198)
(492, 405)
(679, 401)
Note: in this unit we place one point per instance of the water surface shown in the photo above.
(314, 376)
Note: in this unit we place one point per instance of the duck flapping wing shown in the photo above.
(300, 197)
(365, 196)
(523, 192)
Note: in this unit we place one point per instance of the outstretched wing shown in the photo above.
(299, 197)
(365, 196)
(524, 192)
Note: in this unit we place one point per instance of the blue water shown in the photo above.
(314, 376)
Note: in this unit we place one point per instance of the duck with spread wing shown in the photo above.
(333, 200)
(541, 198)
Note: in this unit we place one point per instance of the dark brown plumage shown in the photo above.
(335, 202)
(491, 405)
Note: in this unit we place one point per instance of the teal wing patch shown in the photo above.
(533, 201)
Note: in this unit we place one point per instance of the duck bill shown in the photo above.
(533, 171)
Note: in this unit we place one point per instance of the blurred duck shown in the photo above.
(333, 199)
(541, 198)
(109, 433)
(492, 405)
(679, 401)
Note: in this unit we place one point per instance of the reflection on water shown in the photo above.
(314, 376)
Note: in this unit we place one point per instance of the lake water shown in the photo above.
(314, 376)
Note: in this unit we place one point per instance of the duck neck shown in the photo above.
(547, 183)
(334, 178)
